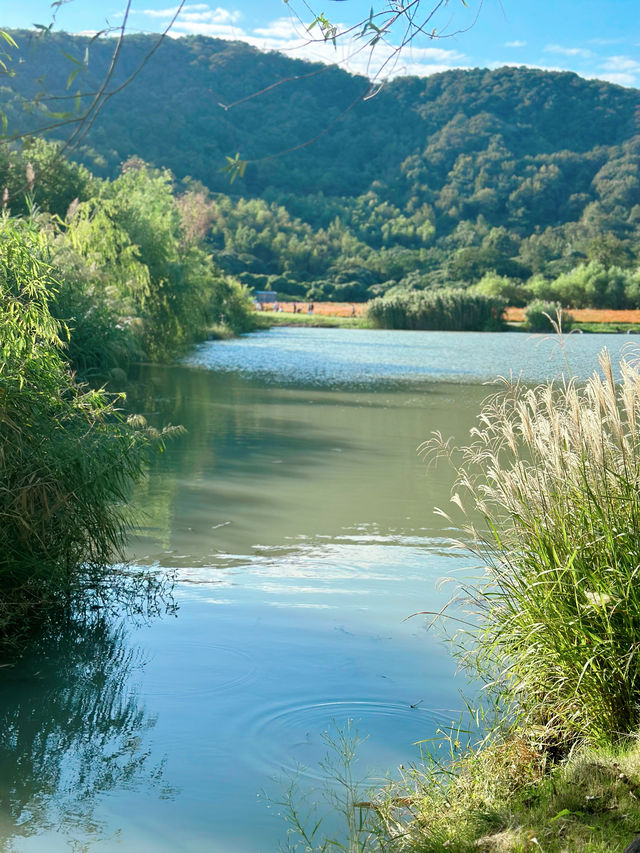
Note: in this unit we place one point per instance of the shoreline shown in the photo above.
(268, 320)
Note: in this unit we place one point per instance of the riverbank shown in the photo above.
(269, 319)
(339, 315)
(505, 800)
(550, 626)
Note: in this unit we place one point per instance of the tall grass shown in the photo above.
(67, 456)
(555, 472)
(449, 309)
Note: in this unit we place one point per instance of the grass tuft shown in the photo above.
(555, 472)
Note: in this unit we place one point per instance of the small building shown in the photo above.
(265, 296)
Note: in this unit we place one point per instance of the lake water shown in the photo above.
(299, 521)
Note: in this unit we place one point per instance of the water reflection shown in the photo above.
(73, 730)
(261, 466)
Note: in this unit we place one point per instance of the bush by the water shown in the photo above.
(135, 278)
(67, 456)
(540, 316)
(555, 471)
(446, 309)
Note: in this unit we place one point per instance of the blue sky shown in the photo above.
(595, 38)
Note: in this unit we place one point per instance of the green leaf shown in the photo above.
(72, 77)
(235, 167)
(563, 812)
(72, 59)
(8, 38)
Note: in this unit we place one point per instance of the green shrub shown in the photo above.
(67, 457)
(446, 309)
(540, 316)
(589, 285)
(512, 291)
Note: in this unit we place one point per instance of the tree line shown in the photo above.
(94, 274)
(436, 182)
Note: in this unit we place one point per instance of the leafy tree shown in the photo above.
(67, 455)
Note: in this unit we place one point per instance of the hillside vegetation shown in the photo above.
(517, 175)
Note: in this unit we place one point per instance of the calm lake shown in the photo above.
(299, 521)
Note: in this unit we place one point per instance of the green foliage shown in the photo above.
(554, 472)
(55, 180)
(178, 292)
(590, 285)
(509, 798)
(448, 309)
(67, 456)
(541, 316)
(440, 180)
(134, 278)
(511, 291)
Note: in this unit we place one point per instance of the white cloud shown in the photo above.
(291, 36)
(621, 79)
(282, 28)
(623, 70)
(211, 16)
(569, 51)
(621, 63)
(515, 43)
(206, 28)
(169, 13)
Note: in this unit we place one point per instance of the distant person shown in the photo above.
(353, 310)
(310, 308)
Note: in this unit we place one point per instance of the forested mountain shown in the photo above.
(512, 173)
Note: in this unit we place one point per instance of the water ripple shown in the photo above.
(289, 737)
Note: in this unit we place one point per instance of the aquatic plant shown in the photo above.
(344, 795)
(555, 473)
(450, 309)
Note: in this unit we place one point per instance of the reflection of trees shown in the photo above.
(234, 428)
(73, 730)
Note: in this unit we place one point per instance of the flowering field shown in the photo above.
(512, 315)
(584, 315)
(324, 309)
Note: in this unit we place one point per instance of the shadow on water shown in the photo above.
(229, 420)
(73, 731)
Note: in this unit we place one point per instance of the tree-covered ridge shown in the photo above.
(516, 173)
(176, 112)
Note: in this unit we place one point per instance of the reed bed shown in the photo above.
(449, 309)
(555, 624)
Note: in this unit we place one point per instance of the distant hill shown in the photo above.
(171, 114)
(467, 168)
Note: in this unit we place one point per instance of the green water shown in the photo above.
(298, 519)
